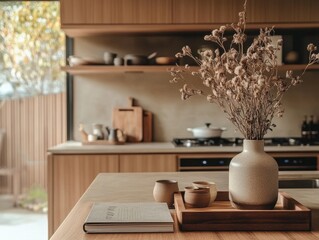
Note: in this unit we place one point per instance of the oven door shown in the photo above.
(220, 162)
(204, 162)
(297, 163)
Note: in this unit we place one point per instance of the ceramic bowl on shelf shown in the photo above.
(75, 61)
(165, 60)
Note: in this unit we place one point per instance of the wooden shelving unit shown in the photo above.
(102, 69)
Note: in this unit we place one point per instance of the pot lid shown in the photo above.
(208, 126)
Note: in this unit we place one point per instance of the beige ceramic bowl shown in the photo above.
(75, 61)
(210, 185)
(165, 60)
(197, 197)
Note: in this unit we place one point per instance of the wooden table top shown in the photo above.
(138, 187)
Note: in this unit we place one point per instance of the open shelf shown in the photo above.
(102, 69)
(87, 30)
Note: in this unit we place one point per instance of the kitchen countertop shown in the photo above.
(137, 187)
(72, 147)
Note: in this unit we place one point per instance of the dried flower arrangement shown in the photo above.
(245, 85)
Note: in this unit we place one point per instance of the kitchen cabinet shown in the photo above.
(68, 178)
(206, 11)
(148, 163)
(89, 17)
(70, 175)
(283, 11)
(187, 16)
(258, 11)
(115, 12)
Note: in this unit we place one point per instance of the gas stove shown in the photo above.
(205, 142)
(224, 142)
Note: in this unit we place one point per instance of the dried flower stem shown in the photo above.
(244, 84)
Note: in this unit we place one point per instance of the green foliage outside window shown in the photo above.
(32, 49)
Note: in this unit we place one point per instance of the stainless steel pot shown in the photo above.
(207, 131)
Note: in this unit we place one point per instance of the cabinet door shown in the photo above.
(283, 11)
(148, 163)
(115, 11)
(258, 11)
(205, 11)
(69, 177)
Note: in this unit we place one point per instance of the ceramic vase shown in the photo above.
(253, 178)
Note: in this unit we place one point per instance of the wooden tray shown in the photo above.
(288, 215)
(102, 142)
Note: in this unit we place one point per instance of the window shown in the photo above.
(32, 49)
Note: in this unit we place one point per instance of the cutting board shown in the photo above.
(130, 120)
(147, 126)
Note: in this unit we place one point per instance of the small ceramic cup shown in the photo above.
(109, 57)
(212, 188)
(118, 61)
(164, 191)
(197, 197)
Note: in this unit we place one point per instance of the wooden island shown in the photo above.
(137, 187)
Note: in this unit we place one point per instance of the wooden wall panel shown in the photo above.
(32, 125)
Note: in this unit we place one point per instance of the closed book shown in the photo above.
(106, 217)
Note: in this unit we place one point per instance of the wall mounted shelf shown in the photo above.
(102, 69)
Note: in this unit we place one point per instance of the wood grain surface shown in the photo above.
(147, 126)
(69, 177)
(138, 187)
(288, 215)
(130, 121)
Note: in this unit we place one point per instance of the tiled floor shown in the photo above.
(17, 223)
